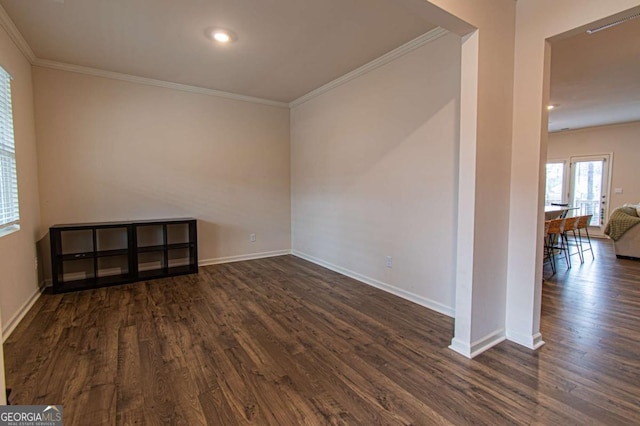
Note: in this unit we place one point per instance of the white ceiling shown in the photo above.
(286, 48)
(595, 79)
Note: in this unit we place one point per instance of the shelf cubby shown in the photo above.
(77, 269)
(101, 254)
(76, 242)
(178, 257)
(112, 239)
(150, 235)
(151, 261)
(178, 233)
(111, 266)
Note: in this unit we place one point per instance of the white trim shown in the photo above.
(479, 346)
(242, 257)
(532, 342)
(11, 325)
(153, 82)
(7, 23)
(537, 341)
(8, 230)
(206, 262)
(460, 347)
(580, 129)
(407, 295)
(425, 38)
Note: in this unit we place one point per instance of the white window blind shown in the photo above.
(9, 211)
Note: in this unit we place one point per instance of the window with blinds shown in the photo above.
(9, 211)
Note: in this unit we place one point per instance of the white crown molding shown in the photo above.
(21, 43)
(7, 23)
(153, 82)
(417, 42)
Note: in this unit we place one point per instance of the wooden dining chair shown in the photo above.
(555, 241)
(571, 226)
(547, 250)
(583, 224)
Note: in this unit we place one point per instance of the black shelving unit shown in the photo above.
(90, 255)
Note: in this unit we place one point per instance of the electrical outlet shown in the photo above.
(389, 262)
(252, 238)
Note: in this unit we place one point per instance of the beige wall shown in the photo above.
(18, 276)
(536, 21)
(374, 174)
(622, 140)
(114, 150)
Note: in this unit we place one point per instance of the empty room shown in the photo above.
(306, 212)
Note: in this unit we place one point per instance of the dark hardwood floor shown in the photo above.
(282, 341)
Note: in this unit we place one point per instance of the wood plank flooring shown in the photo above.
(281, 341)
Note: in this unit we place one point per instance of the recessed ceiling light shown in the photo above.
(550, 107)
(220, 35)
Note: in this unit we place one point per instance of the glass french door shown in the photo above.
(556, 183)
(583, 183)
(589, 187)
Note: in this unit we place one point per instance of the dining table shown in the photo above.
(554, 212)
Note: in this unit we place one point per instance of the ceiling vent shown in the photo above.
(614, 23)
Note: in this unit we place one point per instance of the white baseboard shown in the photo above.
(239, 258)
(11, 325)
(412, 297)
(476, 348)
(528, 341)
(204, 262)
(460, 347)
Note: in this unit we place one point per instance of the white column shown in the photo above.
(461, 342)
